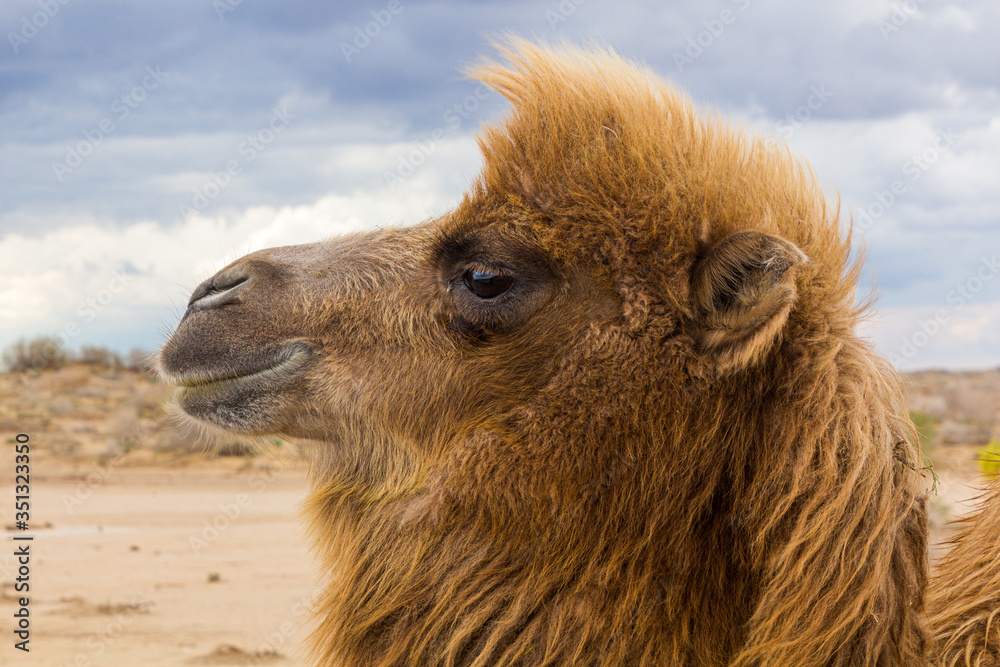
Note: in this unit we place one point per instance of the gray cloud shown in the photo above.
(894, 78)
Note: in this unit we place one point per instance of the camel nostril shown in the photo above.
(219, 290)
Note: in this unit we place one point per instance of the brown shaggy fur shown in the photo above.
(664, 445)
(964, 601)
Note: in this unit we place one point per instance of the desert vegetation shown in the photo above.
(48, 353)
(96, 403)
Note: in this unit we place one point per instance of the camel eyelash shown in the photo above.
(480, 267)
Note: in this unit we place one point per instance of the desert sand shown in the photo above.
(202, 563)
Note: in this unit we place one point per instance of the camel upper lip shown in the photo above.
(285, 361)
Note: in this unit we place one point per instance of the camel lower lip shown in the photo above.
(245, 400)
(279, 368)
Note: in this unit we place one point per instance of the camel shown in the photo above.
(610, 410)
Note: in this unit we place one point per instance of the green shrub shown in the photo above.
(989, 458)
(926, 429)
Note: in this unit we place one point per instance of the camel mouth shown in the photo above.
(243, 395)
(282, 365)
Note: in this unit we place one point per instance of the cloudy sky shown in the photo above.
(145, 145)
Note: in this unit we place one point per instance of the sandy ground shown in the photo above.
(194, 562)
(205, 563)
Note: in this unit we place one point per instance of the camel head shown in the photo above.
(586, 220)
(610, 409)
(394, 339)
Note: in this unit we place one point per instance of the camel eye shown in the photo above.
(487, 283)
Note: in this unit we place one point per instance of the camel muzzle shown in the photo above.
(238, 347)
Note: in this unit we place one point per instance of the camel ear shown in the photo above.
(743, 291)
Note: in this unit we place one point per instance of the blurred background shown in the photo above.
(145, 145)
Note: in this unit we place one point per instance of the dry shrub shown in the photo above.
(128, 434)
(62, 445)
(970, 399)
(236, 449)
(177, 441)
(100, 357)
(38, 354)
(150, 401)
